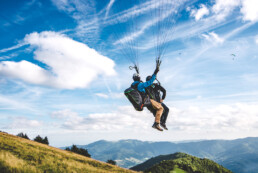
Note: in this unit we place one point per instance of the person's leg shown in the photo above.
(152, 110)
(164, 116)
(165, 113)
(159, 110)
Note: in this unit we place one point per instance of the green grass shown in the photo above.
(22, 155)
(177, 170)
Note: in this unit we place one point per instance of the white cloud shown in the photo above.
(111, 2)
(132, 12)
(84, 13)
(122, 118)
(12, 48)
(193, 119)
(217, 119)
(71, 64)
(111, 95)
(24, 70)
(66, 114)
(135, 34)
(222, 8)
(169, 9)
(256, 39)
(250, 10)
(23, 123)
(200, 13)
(102, 95)
(213, 37)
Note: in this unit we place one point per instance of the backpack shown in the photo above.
(134, 97)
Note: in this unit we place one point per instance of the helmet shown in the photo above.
(136, 77)
(148, 78)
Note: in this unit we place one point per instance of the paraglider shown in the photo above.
(139, 96)
(233, 55)
(161, 19)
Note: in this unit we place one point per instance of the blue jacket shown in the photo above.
(141, 87)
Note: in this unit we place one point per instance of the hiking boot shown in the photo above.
(163, 125)
(156, 126)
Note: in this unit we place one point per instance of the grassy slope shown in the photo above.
(22, 155)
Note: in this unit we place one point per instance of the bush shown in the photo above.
(111, 162)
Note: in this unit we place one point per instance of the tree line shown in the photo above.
(37, 138)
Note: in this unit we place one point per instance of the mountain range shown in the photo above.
(19, 154)
(239, 155)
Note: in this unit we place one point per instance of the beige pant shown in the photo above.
(159, 108)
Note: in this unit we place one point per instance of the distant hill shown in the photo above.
(180, 163)
(22, 155)
(240, 155)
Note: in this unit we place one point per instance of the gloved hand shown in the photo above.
(158, 62)
(156, 70)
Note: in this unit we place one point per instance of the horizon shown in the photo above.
(63, 71)
(119, 140)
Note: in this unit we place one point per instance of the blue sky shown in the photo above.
(63, 69)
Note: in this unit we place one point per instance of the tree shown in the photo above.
(38, 139)
(111, 162)
(45, 141)
(41, 140)
(22, 135)
(77, 150)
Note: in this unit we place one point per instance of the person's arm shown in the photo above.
(146, 84)
(163, 90)
(141, 87)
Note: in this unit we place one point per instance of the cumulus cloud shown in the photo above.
(216, 119)
(213, 37)
(24, 70)
(250, 10)
(70, 64)
(219, 118)
(122, 118)
(200, 13)
(222, 8)
(23, 123)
